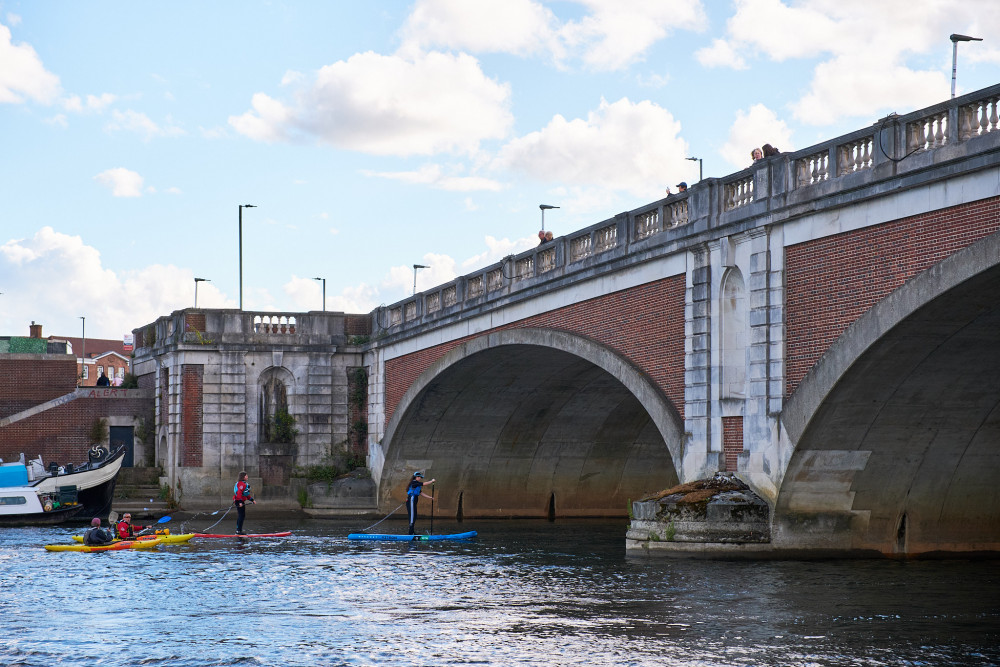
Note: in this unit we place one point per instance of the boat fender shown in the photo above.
(47, 506)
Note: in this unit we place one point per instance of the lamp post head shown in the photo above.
(545, 207)
(964, 38)
(247, 206)
(203, 280)
(420, 266)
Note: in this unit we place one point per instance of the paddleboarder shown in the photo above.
(413, 493)
(241, 496)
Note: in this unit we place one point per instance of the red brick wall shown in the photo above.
(732, 441)
(194, 322)
(33, 379)
(831, 282)
(645, 324)
(164, 396)
(357, 325)
(192, 413)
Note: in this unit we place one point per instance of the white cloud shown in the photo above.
(620, 146)
(617, 33)
(521, 27)
(611, 34)
(140, 123)
(720, 54)
(13, 19)
(496, 250)
(122, 182)
(113, 303)
(752, 129)
(434, 176)
(22, 74)
(173, 191)
(387, 105)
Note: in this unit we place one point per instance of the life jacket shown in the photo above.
(414, 489)
(241, 494)
(124, 530)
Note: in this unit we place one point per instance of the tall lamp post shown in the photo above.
(955, 39)
(324, 292)
(83, 345)
(242, 206)
(698, 160)
(415, 268)
(196, 281)
(544, 208)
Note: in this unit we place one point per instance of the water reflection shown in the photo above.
(523, 593)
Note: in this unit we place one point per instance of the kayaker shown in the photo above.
(95, 535)
(413, 493)
(241, 496)
(124, 529)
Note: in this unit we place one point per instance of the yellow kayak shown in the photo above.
(164, 539)
(114, 546)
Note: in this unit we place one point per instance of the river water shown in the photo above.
(522, 593)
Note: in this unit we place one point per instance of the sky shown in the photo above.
(372, 136)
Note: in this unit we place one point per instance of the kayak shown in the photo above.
(411, 538)
(164, 539)
(284, 534)
(114, 546)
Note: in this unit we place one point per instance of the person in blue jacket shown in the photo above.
(413, 493)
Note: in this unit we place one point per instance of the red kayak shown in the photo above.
(285, 534)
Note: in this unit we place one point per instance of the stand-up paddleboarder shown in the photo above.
(413, 493)
(241, 496)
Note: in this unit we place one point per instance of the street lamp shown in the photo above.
(324, 292)
(698, 160)
(196, 281)
(955, 39)
(415, 267)
(544, 207)
(83, 344)
(242, 206)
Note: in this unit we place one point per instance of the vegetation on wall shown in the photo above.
(98, 431)
(282, 427)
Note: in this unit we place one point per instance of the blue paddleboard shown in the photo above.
(411, 538)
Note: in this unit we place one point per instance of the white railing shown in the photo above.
(677, 213)
(647, 224)
(274, 324)
(579, 248)
(524, 268)
(410, 311)
(433, 302)
(978, 118)
(739, 193)
(475, 287)
(546, 260)
(855, 156)
(927, 132)
(812, 169)
(450, 296)
(605, 238)
(395, 316)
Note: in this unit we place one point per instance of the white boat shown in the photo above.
(31, 493)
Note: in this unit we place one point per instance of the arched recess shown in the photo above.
(895, 433)
(735, 336)
(532, 422)
(273, 391)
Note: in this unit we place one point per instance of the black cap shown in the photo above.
(682, 184)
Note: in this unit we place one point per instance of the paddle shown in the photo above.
(145, 531)
(433, 495)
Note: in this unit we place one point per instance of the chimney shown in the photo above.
(36, 330)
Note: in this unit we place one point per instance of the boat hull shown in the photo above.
(214, 535)
(50, 518)
(114, 546)
(164, 539)
(95, 485)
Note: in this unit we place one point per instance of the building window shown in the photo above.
(100, 371)
(86, 372)
(121, 371)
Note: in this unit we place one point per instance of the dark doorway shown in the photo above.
(123, 435)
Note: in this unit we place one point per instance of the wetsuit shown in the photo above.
(241, 496)
(96, 537)
(412, 496)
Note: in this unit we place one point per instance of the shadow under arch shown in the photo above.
(895, 431)
(532, 422)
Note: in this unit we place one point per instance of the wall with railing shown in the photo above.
(775, 188)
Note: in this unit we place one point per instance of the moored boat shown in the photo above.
(33, 494)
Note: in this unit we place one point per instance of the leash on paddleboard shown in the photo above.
(195, 516)
(365, 530)
(219, 521)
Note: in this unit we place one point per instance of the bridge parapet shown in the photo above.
(895, 152)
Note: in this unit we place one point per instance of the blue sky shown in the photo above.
(375, 135)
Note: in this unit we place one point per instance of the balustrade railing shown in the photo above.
(692, 213)
(273, 324)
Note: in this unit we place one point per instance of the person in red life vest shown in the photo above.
(241, 496)
(124, 530)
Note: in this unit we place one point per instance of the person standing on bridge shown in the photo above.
(413, 493)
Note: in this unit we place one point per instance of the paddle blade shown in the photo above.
(164, 519)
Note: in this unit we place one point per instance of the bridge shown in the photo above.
(823, 324)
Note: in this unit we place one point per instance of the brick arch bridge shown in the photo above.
(866, 326)
(531, 422)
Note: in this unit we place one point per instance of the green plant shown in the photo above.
(303, 498)
(358, 340)
(359, 386)
(130, 381)
(653, 537)
(150, 335)
(98, 431)
(282, 427)
(670, 532)
(200, 339)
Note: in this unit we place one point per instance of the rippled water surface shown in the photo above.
(522, 593)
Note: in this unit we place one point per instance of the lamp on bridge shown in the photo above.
(955, 39)
(83, 344)
(196, 281)
(242, 206)
(415, 267)
(545, 207)
(324, 292)
(698, 160)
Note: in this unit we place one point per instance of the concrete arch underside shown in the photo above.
(532, 423)
(897, 429)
